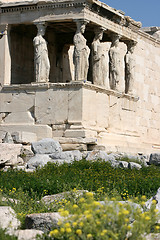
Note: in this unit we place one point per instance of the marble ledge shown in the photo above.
(70, 85)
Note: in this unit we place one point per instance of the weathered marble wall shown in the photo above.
(71, 110)
(68, 109)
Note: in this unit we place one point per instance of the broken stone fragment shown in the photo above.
(28, 234)
(154, 159)
(46, 146)
(8, 219)
(42, 221)
(9, 154)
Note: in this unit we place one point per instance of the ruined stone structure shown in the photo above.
(117, 106)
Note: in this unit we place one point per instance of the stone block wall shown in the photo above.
(71, 109)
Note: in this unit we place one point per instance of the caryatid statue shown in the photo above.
(81, 52)
(99, 63)
(115, 64)
(130, 68)
(41, 60)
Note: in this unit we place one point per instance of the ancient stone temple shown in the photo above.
(79, 71)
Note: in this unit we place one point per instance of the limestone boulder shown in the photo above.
(42, 221)
(155, 197)
(123, 164)
(114, 163)
(98, 154)
(154, 159)
(67, 156)
(26, 153)
(28, 234)
(8, 219)
(46, 146)
(9, 154)
(64, 195)
(133, 165)
(39, 160)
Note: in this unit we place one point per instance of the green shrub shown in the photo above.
(111, 220)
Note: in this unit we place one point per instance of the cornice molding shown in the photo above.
(74, 84)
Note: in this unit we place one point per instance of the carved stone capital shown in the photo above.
(99, 29)
(115, 37)
(41, 27)
(80, 22)
(4, 30)
(131, 44)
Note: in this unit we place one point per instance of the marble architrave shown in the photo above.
(41, 60)
(81, 52)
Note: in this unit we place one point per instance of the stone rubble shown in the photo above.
(38, 154)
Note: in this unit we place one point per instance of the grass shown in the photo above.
(83, 174)
(98, 177)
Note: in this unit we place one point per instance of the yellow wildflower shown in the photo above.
(81, 224)
(67, 225)
(55, 232)
(68, 230)
(89, 194)
(74, 224)
(143, 197)
(89, 236)
(103, 232)
(79, 232)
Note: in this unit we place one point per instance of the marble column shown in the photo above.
(5, 58)
(115, 65)
(99, 62)
(81, 52)
(130, 68)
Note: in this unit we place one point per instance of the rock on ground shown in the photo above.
(9, 154)
(60, 196)
(39, 160)
(28, 234)
(46, 146)
(96, 154)
(42, 221)
(133, 165)
(8, 219)
(155, 197)
(67, 156)
(123, 164)
(154, 159)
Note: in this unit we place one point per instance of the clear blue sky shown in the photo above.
(145, 11)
